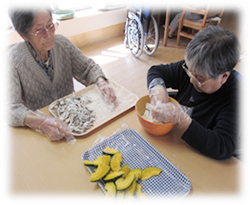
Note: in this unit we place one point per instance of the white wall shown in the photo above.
(83, 22)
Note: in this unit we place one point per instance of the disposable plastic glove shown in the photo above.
(170, 112)
(107, 92)
(53, 128)
(158, 94)
(157, 91)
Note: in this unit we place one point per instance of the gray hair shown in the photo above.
(23, 18)
(213, 51)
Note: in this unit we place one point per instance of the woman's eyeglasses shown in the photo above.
(51, 28)
(190, 75)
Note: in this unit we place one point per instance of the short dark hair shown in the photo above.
(213, 51)
(23, 18)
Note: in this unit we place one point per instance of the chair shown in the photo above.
(210, 17)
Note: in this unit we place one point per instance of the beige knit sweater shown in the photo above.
(29, 86)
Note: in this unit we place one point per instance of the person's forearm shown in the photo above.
(209, 142)
(33, 121)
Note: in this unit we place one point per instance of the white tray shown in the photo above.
(125, 100)
(139, 153)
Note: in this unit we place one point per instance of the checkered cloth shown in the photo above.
(139, 153)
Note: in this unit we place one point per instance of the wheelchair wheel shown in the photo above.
(135, 35)
(151, 37)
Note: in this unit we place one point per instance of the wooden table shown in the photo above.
(41, 166)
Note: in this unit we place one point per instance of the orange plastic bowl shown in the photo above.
(152, 127)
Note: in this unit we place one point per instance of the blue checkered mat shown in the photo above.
(139, 153)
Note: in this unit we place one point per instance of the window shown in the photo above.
(82, 5)
(75, 5)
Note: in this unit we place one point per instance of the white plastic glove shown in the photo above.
(170, 112)
(107, 92)
(158, 94)
(157, 91)
(53, 128)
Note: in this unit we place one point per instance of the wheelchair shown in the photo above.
(141, 32)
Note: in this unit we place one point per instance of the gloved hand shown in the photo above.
(107, 91)
(170, 112)
(53, 128)
(157, 91)
(158, 94)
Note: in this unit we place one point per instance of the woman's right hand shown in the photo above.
(53, 128)
(171, 112)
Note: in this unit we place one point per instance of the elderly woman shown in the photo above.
(207, 89)
(42, 70)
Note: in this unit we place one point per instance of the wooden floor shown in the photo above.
(119, 64)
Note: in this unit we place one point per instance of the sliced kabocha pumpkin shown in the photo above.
(100, 172)
(109, 151)
(105, 159)
(124, 183)
(129, 192)
(111, 189)
(120, 195)
(138, 191)
(131, 189)
(126, 170)
(115, 162)
(149, 172)
(113, 176)
(137, 173)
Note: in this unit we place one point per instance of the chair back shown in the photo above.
(209, 17)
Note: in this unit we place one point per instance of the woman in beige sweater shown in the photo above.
(41, 70)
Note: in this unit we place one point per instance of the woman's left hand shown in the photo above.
(107, 91)
(158, 93)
